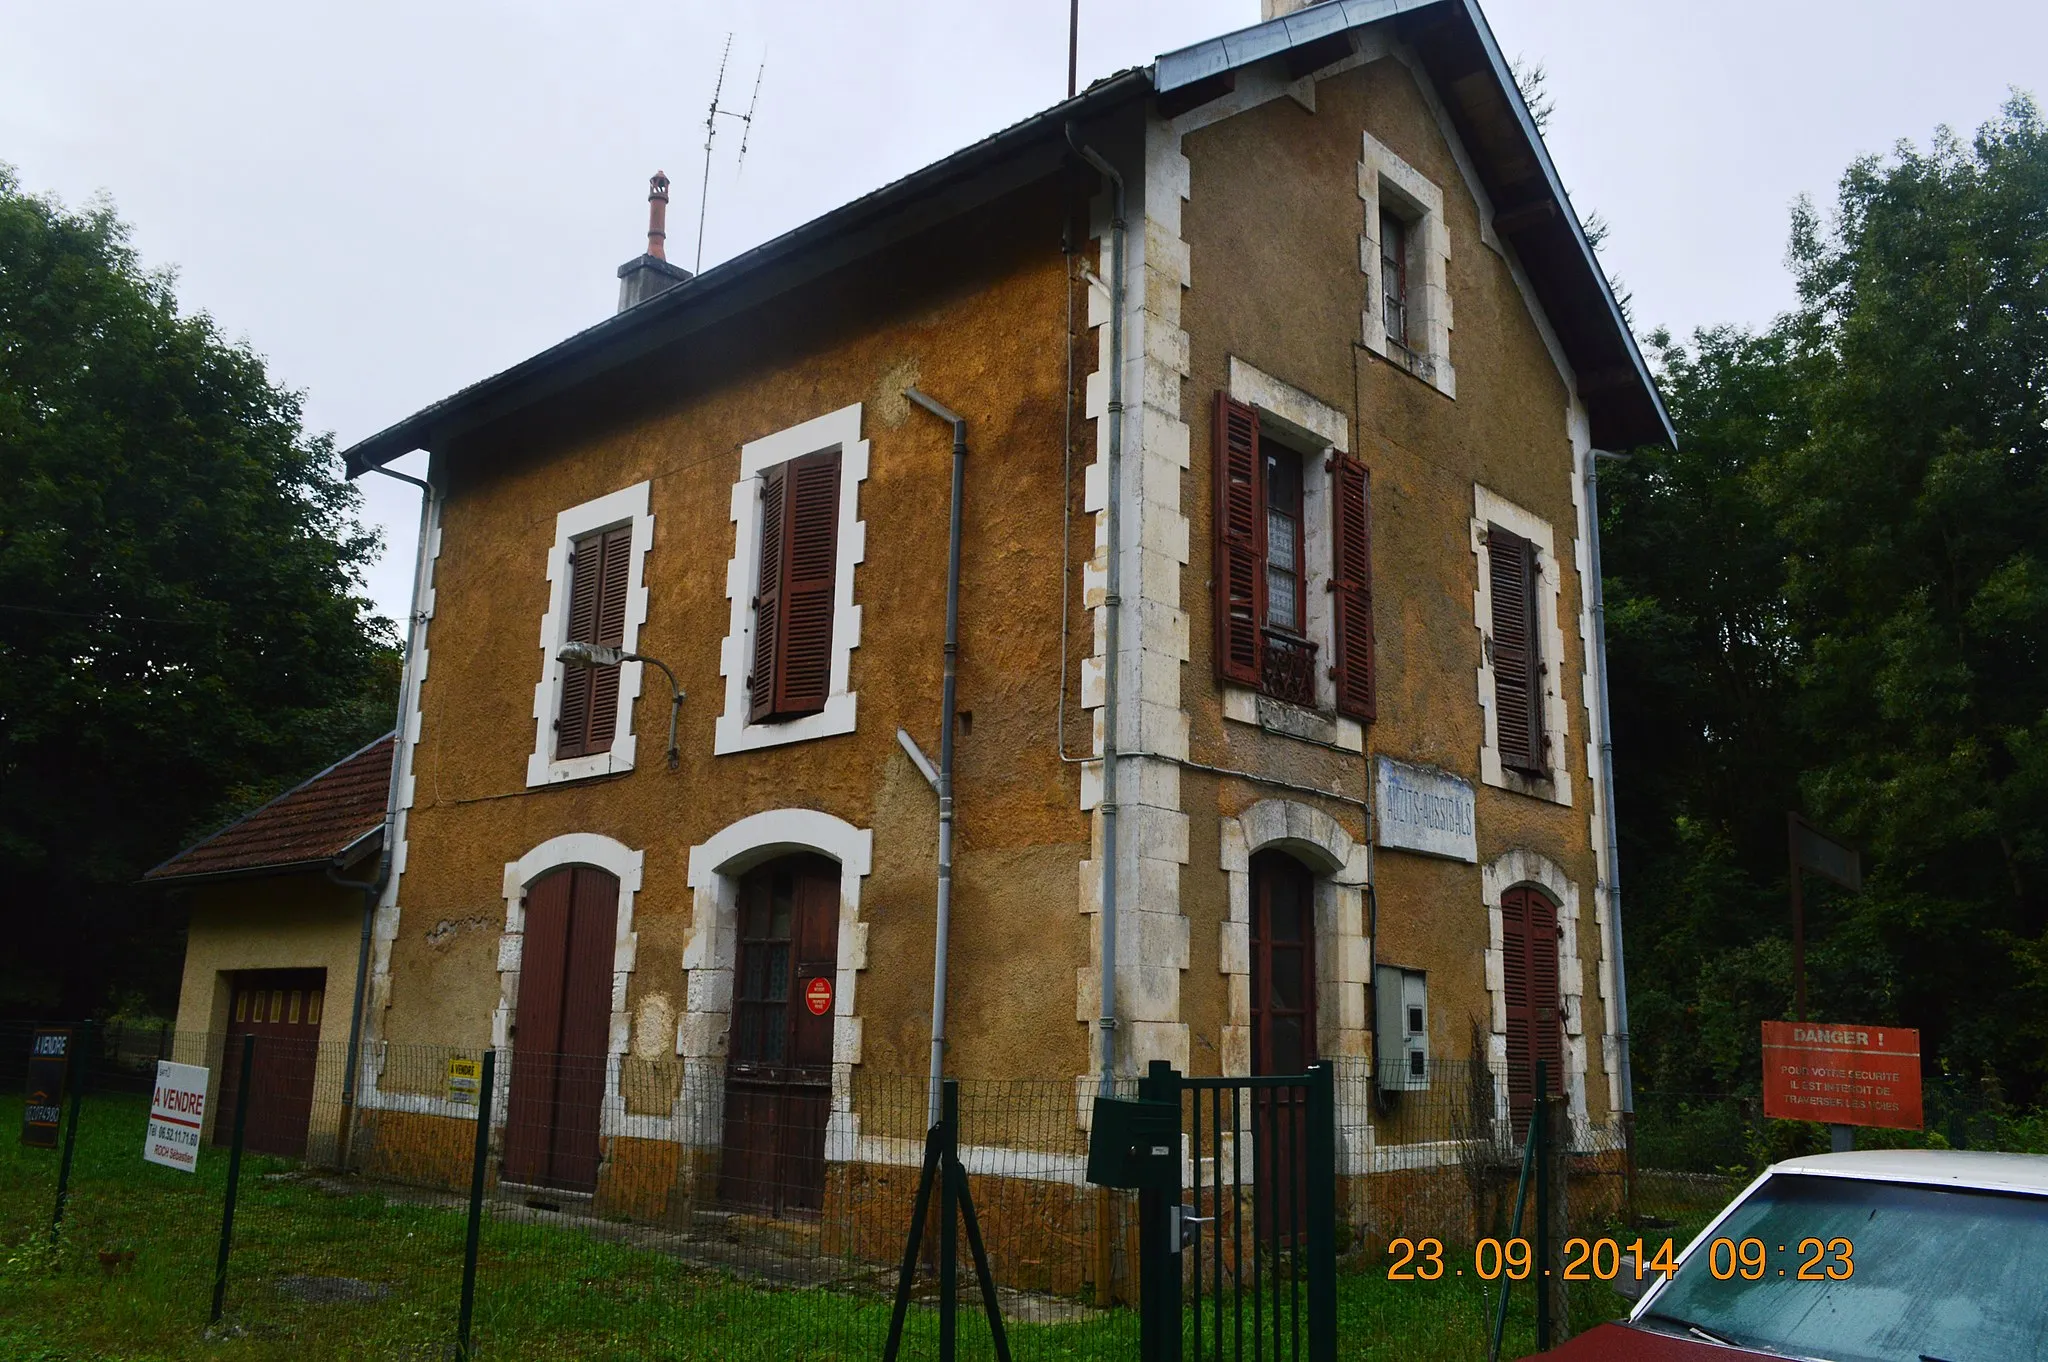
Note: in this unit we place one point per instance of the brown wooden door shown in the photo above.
(1283, 1031)
(778, 1078)
(560, 1029)
(281, 1008)
(1529, 935)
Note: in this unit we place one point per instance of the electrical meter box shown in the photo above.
(1401, 1032)
(1134, 1143)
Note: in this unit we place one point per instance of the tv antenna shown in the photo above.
(711, 133)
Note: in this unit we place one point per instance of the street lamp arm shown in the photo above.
(603, 655)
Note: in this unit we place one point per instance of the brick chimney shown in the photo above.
(646, 275)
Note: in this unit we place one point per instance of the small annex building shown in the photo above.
(273, 944)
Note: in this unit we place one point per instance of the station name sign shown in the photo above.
(1425, 810)
(1842, 1075)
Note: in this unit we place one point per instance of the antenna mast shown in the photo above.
(711, 117)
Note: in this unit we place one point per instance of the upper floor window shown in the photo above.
(600, 565)
(797, 537)
(1288, 520)
(792, 664)
(1405, 252)
(583, 716)
(1515, 578)
(1394, 276)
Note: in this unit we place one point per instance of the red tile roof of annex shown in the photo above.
(310, 823)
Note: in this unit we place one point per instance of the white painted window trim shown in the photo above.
(1314, 429)
(622, 862)
(1520, 867)
(711, 948)
(835, 430)
(1418, 200)
(1491, 509)
(628, 504)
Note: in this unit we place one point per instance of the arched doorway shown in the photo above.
(778, 1077)
(561, 1029)
(1283, 1031)
(1529, 990)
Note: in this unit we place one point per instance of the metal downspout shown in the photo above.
(373, 890)
(949, 697)
(1112, 601)
(1623, 1064)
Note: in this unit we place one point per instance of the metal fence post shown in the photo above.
(1540, 1118)
(478, 1163)
(1159, 1285)
(1322, 1213)
(81, 1044)
(949, 1210)
(227, 1210)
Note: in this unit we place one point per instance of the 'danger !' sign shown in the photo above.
(176, 1115)
(1842, 1075)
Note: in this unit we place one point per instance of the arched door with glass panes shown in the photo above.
(778, 1076)
(1283, 989)
(1529, 987)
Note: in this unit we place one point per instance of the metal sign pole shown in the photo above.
(1798, 919)
(478, 1162)
(80, 1039)
(227, 1211)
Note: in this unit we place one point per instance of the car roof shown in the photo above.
(1954, 1167)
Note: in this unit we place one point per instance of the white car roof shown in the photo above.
(1952, 1167)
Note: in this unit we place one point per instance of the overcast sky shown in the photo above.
(392, 200)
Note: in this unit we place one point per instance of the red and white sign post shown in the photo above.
(1842, 1075)
(177, 1114)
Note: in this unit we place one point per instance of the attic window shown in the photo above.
(1394, 277)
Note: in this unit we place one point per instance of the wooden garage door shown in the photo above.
(282, 1009)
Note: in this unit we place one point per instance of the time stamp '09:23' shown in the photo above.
(1588, 1260)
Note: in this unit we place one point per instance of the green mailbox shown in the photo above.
(1135, 1144)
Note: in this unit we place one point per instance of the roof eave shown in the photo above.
(865, 224)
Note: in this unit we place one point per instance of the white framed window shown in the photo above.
(1549, 775)
(837, 433)
(1405, 254)
(1305, 433)
(587, 525)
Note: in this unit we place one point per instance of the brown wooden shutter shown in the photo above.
(572, 721)
(537, 1037)
(1239, 568)
(805, 675)
(1351, 587)
(768, 594)
(600, 567)
(1517, 665)
(792, 672)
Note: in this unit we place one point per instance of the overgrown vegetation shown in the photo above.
(1833, 597)
(181, 629)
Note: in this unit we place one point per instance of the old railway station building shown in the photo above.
(1280, 366)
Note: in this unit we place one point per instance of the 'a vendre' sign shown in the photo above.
(177, 1113)
(1426, 811)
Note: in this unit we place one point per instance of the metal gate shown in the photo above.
(1239, 1252)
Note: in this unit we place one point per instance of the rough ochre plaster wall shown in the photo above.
(975, 316)
(1273, 218)
(271, 922)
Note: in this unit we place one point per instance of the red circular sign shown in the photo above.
(818, 996)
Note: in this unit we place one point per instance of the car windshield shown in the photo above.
(1934, 1275)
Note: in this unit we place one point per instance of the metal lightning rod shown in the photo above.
(711, 133)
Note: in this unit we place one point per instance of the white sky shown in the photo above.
(392, 200)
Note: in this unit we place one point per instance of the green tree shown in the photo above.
(181, 630)
(1834, 597)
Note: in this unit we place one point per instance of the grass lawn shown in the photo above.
(318, 1275)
